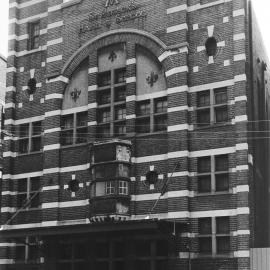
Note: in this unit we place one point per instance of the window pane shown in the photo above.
(104, 116)
(34, 200)
(123, 188)
(143, 108)
(221, 114)
(65, 251)
(81, 135)
(120, 129)
(120, 94)
(220, 95)
(102, 250)
(36, 144)
(104, 97)
(223, 225)
(203, 99)
(110, 187)
(222, 163)
(205, 244)
(22, 185)
(204, 183)
(82, 119)
(203, 117)
(67, 121)
(204, 164)
(120, 113)
(79, 250)
(20, 252)
(222, 182)
(21, 200)
(23, 145)
(160, 123)
(143, 125)
(161, 105)
(37, 128)
(34, 183)
(118, 249)
(103, 131)
(67, 137)
(24, 130)
(205, 226)
(223, 244)
(120, 75)
(142, 248)
(104, 79)
(162, 248)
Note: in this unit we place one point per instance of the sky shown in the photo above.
(261, 7)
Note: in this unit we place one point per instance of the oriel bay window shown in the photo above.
(214, 235)
(30, 137)
(151, 115)
(28, 193)
(212, 107)
(213, 174)
(74, 128)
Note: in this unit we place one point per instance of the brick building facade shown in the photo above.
(139, 136)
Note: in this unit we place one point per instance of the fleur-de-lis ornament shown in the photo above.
(152, 78)
(75, 94)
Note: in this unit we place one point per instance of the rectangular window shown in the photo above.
(120, 94)
(30, 137)
(123, 188)
(212, 106)
(110, 188)
(214, 235)
(74, 128)
(151, 115)
(143, 125)
(34, 35)
(143, 108)
(120, 113)
(120, 76)
(104, 97)
(28, 193)
(104, 79)
(213, 174)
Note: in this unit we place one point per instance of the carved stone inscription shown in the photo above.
(119, 15)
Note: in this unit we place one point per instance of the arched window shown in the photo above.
(74, 125)
(151, 107)
(111, 94)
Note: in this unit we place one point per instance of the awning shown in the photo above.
(152, 225)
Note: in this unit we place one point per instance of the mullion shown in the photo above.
(112, 103)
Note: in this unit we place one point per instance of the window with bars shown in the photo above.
(30, 137)
(28, 196)
(214, 235)
(74, 128)
(151, 115)
(34, 35)
(213, 174)
(111, 97)
(212, 107)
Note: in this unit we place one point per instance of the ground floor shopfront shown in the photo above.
(144, 245)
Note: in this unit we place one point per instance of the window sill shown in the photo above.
(70, 3)
(150, 133)
(225, 255)
(28, 154)
(217, 193)
(73, 145)
(30, 209)
(214, 125)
